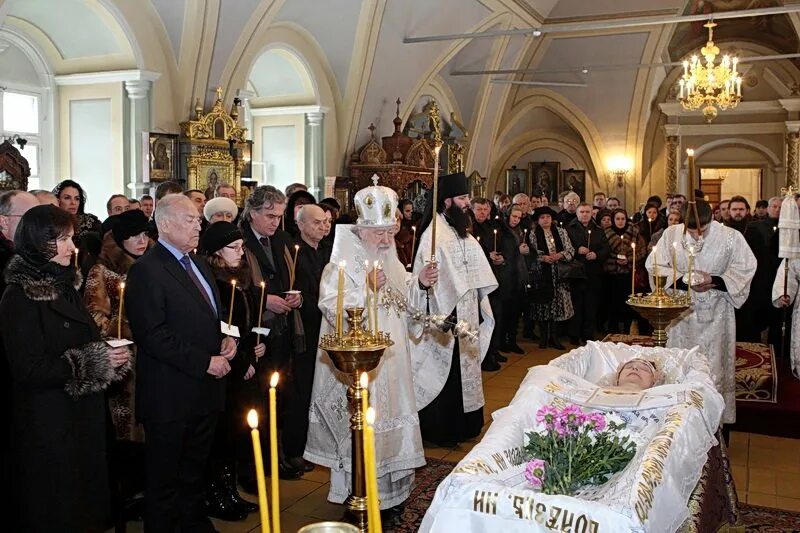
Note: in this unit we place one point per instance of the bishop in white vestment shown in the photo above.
(447, 370)
(723, 267)
(787, 279)
(398, 445)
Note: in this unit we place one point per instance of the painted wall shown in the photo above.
(298, 123)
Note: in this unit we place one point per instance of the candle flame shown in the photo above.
(364, 380)
(296, 246)
(122, 285)
(690, 152)
(375, 264)
(495, 232)
(342, 264)
(370, 416)
(633, 245)
(414, 229)
(233, 282)
(263, 284)
(252, 419)
(273, 381)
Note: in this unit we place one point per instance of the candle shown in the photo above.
(373, 505)
(119, 312)
(367, 305)
(495, 241)
(252, 420)
(233, 294)
(633, 270)
(340, 301)
(674, 267)
(273, 453)
(363, 380)
(260, 311)
(655, 261)
(691, 271)
(375, 268)
(436, 149)
(76, 258)
(525, 235)
(413, 239)
(294, 266)
(589, 241)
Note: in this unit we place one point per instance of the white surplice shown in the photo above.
(711, 322)
(465, 281)
(398, 444)
(791, 289)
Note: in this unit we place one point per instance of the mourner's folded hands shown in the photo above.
(228, 348)
(250, 372)
(118, 356)
(218, 366)
(294, 300)
(381, 279)
(260, 350)
(496, 258)
(591, 256)
(277, 305)
(582, 250)
(429, 275)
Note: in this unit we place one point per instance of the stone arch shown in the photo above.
(737, 141)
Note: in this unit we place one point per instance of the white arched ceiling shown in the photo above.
(279, 73)
(16, 67)
(172, 13)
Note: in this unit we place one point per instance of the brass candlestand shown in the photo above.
(356, 352)
(660, 308)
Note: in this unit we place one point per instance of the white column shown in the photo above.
(137, 121)
(315, 152)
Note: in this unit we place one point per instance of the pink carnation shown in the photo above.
(534, 473)
(546, 415)
(597, 421)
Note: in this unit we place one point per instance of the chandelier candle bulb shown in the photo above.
(273, 453)
(340, 301)
(633, 269)
(294, 267)
(230, 311)
(121, 307)
(252, 421)
(260, 311)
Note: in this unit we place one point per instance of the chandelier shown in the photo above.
(710, 86)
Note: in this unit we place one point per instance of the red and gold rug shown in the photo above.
(756, 373)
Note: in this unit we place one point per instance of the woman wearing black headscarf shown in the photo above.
(621, 235)
(59, 369)
(550, 296)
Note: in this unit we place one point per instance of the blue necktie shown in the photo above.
(186, 262)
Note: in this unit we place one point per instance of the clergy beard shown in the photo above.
(739, 226)
(458, 219)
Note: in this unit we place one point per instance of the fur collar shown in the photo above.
(113, 257)
(37, 285)
(240, 274)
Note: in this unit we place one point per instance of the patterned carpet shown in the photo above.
(753, 518)
(756, 372)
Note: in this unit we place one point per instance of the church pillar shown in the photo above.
(315, 153)
(137, 121)
(793, 159)
(671, 175)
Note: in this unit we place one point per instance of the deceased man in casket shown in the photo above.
(607, 437)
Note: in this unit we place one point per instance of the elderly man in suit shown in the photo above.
(269, 251)
(182, 359)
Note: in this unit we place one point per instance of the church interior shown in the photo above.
(521, 95)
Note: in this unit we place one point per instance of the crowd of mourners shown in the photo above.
(80, 406)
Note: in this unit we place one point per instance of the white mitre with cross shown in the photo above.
(376, 205)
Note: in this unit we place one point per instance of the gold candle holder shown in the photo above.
(357, 351)
(660, 308)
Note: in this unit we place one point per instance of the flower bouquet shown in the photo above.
(572, 448)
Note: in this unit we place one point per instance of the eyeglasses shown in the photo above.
(236, 249)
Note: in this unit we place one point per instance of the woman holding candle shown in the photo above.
(59, 371)
(621, 235)
(222, 243)
(651, 222)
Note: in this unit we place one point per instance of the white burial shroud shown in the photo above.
(672, 425)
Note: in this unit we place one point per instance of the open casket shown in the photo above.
(674, 427)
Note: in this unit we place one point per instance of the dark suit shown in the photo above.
(586, 293)
(176, 333)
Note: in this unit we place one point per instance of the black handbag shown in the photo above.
(571, 271)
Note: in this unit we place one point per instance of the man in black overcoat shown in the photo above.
(172, 303)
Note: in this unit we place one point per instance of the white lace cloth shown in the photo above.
(673, 427)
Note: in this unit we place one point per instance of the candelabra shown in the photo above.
(660, 308)
(352, 353)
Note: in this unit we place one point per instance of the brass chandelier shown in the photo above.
(708, 85)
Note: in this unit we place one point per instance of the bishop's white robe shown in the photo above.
(398, 444)
(711, 322)
(465, 281)
(792, 286)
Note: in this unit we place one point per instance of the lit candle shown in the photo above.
(260, 311)
(774, 229)
(495, 241)
(375, 269)
(367, 305)
(589, 241)
(413, 239)
(119, 312)
(525, 235)
(373, 504)
(340, 301)
(76, 258)
(364, 382)
(691, 271)
(294, 267)
(633, 270)
(252, 420)
(233, 294)
(435, 201)
(273, 453)
(674, 267)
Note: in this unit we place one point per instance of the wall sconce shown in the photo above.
(618, 168)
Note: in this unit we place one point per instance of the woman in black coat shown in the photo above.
(59, 369)
(223, 245)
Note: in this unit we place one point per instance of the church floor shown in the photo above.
(766, 469)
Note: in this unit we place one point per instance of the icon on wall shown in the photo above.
(161, 150)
